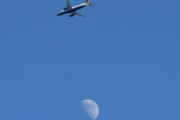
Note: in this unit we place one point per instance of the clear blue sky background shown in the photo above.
(124, 55)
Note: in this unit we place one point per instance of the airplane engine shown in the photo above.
(65, 8)
(71, 15)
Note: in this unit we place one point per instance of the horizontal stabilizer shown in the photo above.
(90, 4)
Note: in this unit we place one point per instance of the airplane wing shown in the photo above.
(68, 5)
(75, 13)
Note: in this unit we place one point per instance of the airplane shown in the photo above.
(73, 10)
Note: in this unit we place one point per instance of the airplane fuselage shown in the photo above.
(74, 9)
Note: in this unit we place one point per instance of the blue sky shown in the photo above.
(124, 55)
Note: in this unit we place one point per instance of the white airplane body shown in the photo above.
(73, 9)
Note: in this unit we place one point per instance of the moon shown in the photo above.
(91, 108)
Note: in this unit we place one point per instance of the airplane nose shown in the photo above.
(59, 14)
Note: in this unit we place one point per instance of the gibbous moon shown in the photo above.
(91, 108)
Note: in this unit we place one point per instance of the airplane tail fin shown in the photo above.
(88, 2)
